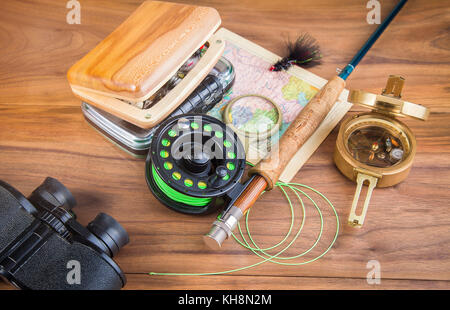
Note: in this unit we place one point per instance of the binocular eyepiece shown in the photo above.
(40, 235)
(52, 195)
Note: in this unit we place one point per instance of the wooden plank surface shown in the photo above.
(43, 133)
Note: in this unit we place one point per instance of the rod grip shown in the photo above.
(251, 193)
(304, 125)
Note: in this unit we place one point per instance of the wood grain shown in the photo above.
(43, 133)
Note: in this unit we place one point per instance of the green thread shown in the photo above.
(188, 182)
(176, 176)
(202, 185)
(177, 196)
(207, 128)
(227, 143)
(164, 154)
(168, 165)
(165, 142)
(231, 155)
(230, 166)
(277, 259)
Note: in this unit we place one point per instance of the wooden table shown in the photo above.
(407, 229)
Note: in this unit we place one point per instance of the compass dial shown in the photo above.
(375, 146)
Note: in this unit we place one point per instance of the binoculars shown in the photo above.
(42, 246)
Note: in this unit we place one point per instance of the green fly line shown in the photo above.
(176, 195)
(251, 245)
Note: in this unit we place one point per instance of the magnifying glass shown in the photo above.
(254, 117)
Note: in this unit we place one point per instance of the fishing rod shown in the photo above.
(266, 173)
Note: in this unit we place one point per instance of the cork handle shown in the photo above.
(299, 132)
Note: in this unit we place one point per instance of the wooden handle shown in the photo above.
(299, 132)
(251, 193)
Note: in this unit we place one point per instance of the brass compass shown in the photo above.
(375, 148)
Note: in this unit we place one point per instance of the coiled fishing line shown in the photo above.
(251, 245)
(177, 196)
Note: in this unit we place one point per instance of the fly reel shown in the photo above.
(195, 164)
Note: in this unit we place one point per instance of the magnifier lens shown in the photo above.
(253, 115)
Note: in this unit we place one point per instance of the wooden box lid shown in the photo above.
(137, 58)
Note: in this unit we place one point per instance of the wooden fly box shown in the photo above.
(124, 73)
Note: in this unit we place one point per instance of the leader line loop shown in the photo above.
(250, 244)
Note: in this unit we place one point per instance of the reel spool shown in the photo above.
(195, 164)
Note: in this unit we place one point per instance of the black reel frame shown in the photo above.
(191, 150)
